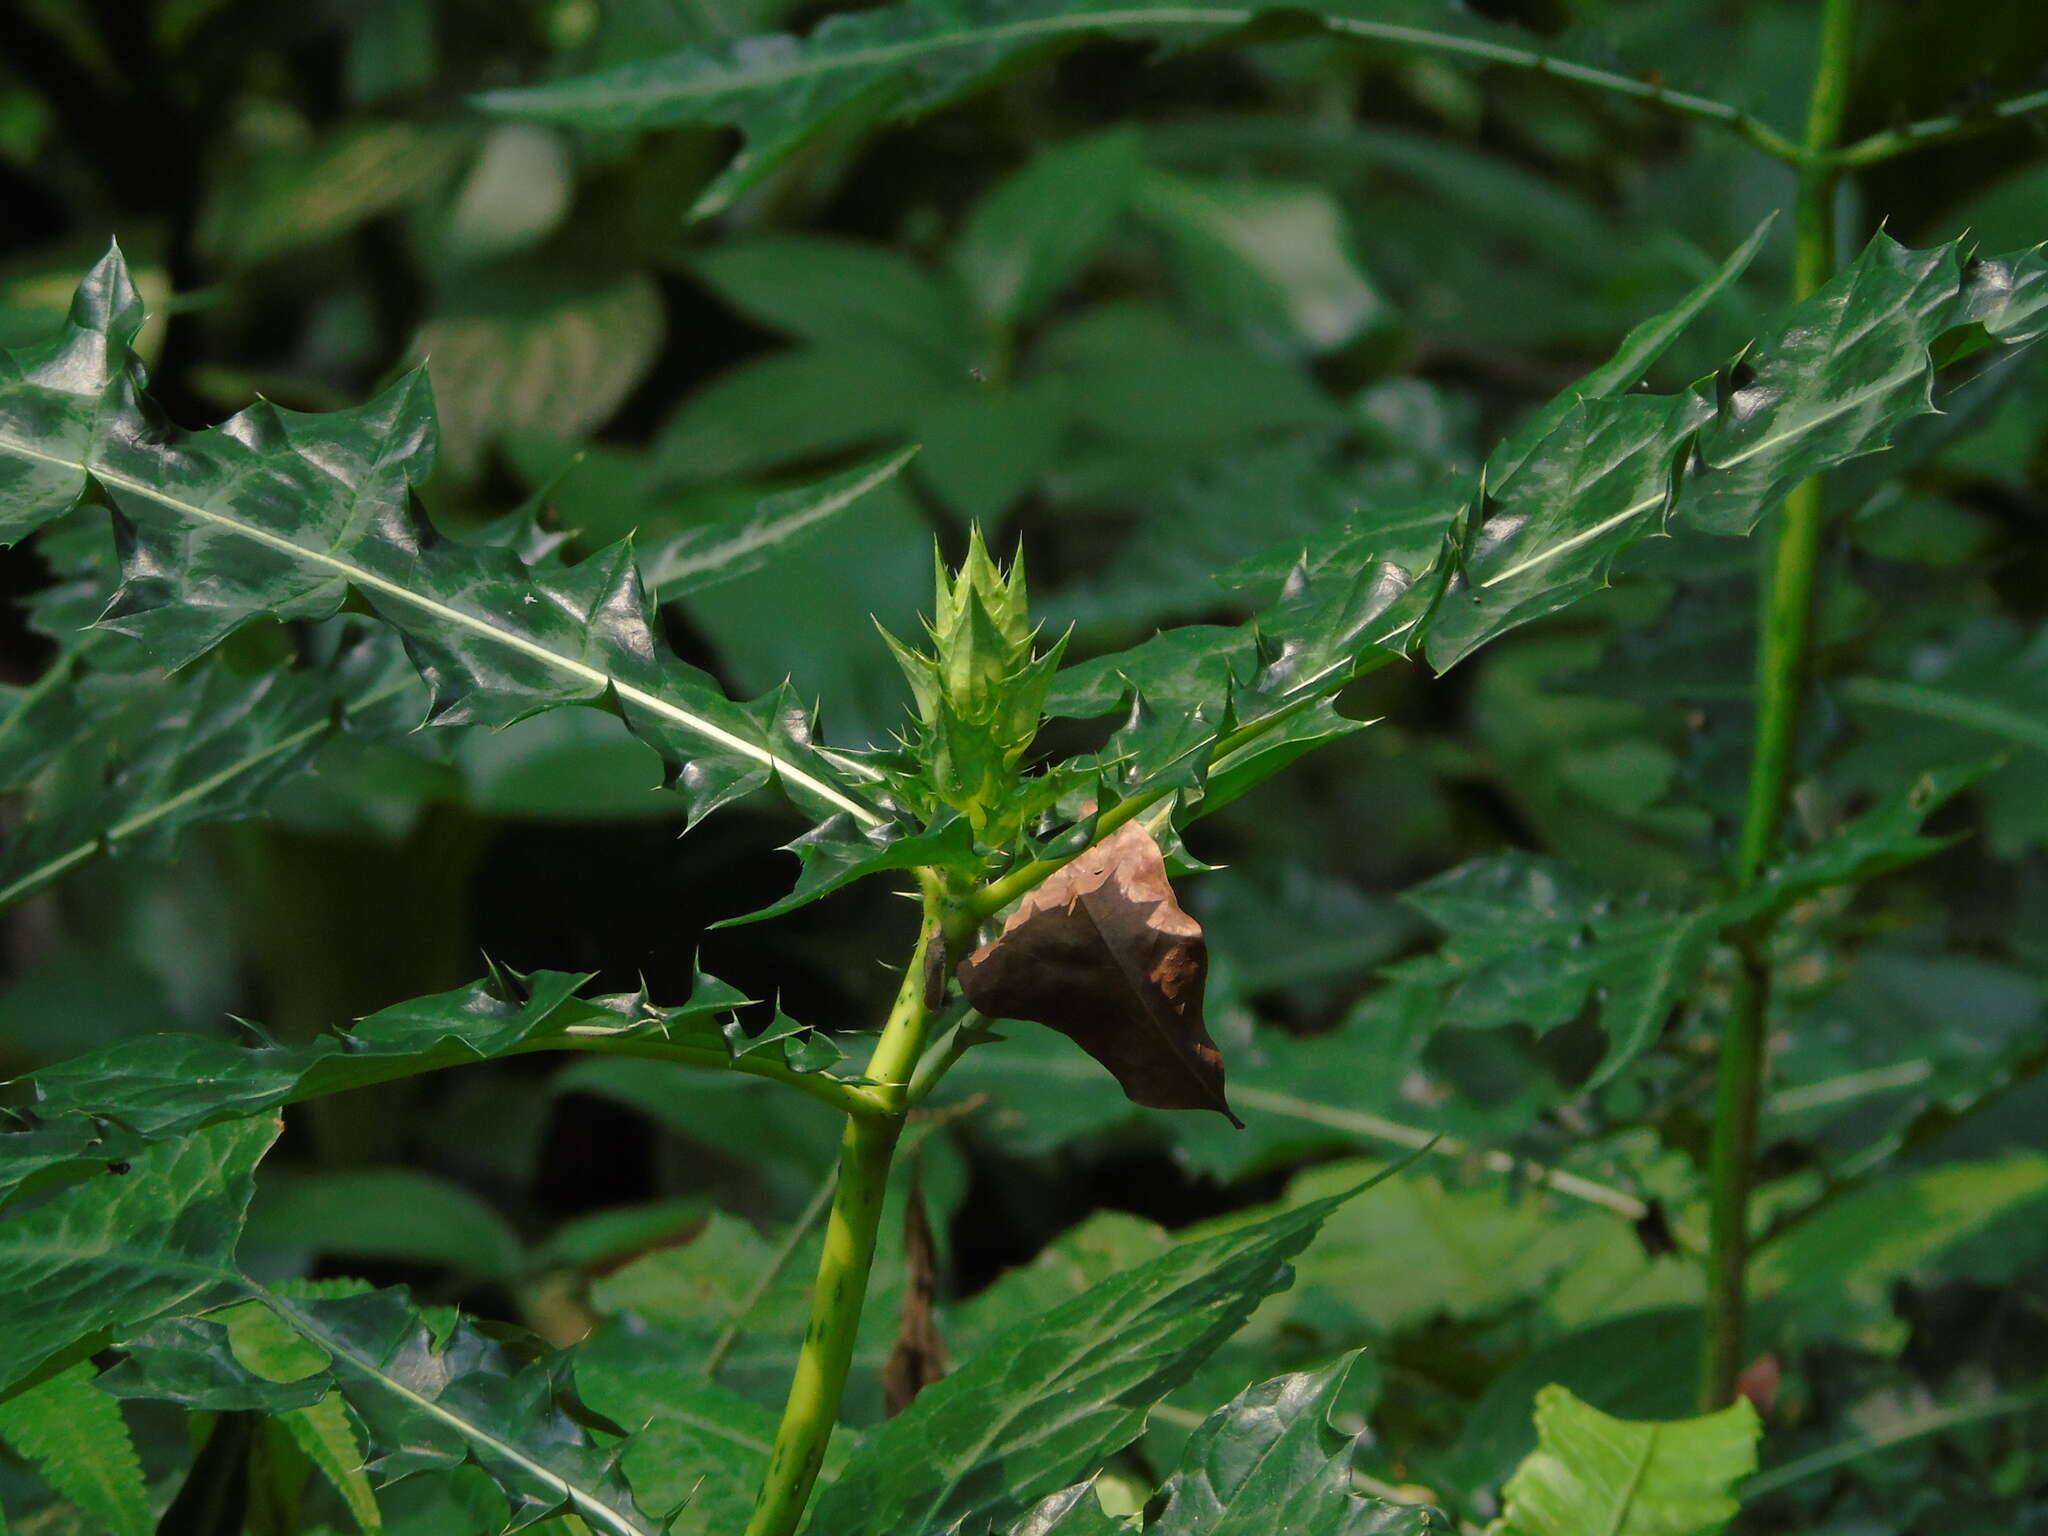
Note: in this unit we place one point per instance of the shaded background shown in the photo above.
(1303, 277)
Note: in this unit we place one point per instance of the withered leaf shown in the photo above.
(918, 1357)
(1103, 953)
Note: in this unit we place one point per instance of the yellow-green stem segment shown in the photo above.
(865, 1152)
(1787, 621)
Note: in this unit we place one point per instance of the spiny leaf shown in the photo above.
(75, 1435)
(1270, 1460)
(1594, 473)
(152, 756)
(145, 1238)
(431, 1393)
(703, 557)
(1103, 953)
(1595, 1473)
(430, 1400)
(107, 1103)
(837, 852)
(902, 60)
(288, 516)
(1054, 1395)
(698, 1448)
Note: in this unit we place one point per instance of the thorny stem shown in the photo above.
(865, 1153)
(1787, 603)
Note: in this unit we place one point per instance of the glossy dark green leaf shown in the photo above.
(105, 1103)
(290, 516)
(1056, 1394)
(431, 1394)
(1271, 1460)
(145, 1237)
(1527, 941)
(150, 757)
(836, 853)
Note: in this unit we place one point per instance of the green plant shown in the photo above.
(275, 583)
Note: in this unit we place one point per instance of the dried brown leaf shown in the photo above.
(1103, 953)
(918, 1357)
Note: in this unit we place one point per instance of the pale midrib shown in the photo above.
(581, 1502)
(1096, 1333)
(455, 616)
(1627, 1501)
(775, 530)
(79, 853)
(883, 54)
(1764, 445)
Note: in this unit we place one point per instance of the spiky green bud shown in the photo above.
(980, 690)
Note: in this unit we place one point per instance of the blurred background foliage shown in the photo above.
(1152, 316)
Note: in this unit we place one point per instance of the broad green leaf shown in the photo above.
(842, 293)
(697, 1447)
(1056, 1394)
(289, 516)
(1030, 236)
(1274, 257)
(1431, 1245)
(103, 1104)
(1640, 1364)
(902, 60)
(75, 1435)
(144, 1238)
(1836, 1268)
(721, 551)
(792, 406)
(1595, 1473)
(385, 1213)
(523, 352)
(982, 451)
(1271, 1460)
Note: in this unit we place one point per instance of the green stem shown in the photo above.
(865, 1153)
(778, 1261)
(1781, 675)
(1937, 130)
